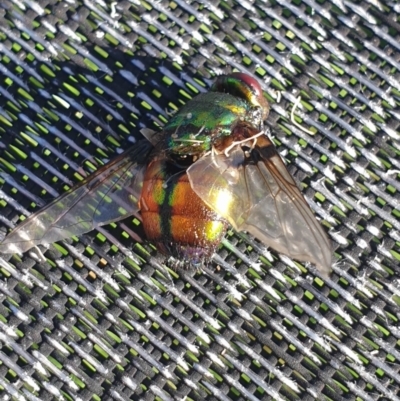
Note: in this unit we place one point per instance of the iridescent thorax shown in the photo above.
(205, 118)
(213, 115)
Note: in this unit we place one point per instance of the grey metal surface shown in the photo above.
(102, 318)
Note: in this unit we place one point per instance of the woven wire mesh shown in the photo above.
(103, 317)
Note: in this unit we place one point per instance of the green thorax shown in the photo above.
(208, 116)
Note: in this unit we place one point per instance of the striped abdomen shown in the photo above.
(175, 219)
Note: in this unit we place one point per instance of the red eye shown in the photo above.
(243, 86)
(250, 81)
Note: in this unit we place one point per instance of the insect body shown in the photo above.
(175, 219)
(174, 216)
(212, 164)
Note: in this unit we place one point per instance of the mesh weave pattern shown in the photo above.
(102, 318)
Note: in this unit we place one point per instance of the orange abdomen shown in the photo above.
(175, 218)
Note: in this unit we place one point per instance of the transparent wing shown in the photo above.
(256, 193)
(108, 195)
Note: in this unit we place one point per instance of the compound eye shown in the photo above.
(243, 86)
(251, 82)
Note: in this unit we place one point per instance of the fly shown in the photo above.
(211, 166)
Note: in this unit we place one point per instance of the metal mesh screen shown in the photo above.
(102, 318)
